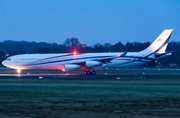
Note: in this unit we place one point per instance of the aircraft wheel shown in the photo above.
(88, 73)
(93, 72)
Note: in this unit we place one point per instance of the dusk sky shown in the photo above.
(91, 21)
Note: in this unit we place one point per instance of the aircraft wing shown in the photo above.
(108, 60)
(104, 60)
(160, 55)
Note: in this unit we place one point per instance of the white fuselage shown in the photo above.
(57, 61)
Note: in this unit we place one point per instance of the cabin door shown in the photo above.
(17, 59)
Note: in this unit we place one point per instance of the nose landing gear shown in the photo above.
(89, 72)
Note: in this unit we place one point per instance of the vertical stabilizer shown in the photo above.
(159, 45)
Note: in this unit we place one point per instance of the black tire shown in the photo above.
(93, 72)
(88, 73)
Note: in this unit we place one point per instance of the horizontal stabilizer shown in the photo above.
(160, 55)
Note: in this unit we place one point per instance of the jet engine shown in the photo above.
(90, 64)
(70, 67)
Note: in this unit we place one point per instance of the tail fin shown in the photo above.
(159, 45)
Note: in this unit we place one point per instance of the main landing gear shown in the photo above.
(89, 72)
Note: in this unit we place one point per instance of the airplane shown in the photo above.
(89, 62)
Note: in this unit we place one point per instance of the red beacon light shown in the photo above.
(118, 56)
(74, 53)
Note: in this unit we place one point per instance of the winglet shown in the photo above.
(123, 54)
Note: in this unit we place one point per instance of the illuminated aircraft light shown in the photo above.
(118, 56)
(63, 70)
(19, 70)
(74, 53)
(40, 77)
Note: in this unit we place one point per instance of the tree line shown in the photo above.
(71, 44)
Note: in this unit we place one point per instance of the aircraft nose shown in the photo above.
(4, 63)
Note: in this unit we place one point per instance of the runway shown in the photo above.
(75, 76)
(101, 74)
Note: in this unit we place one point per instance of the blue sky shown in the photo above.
(91, 21)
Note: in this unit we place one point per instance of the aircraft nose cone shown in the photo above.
(4, 63)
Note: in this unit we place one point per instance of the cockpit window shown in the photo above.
(8, 59)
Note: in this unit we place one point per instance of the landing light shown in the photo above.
(19, 70)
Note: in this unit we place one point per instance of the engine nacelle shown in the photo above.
(91, 64)
(70, 67)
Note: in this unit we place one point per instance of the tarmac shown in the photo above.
(74, 76)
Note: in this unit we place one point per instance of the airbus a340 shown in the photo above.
(90, 61)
